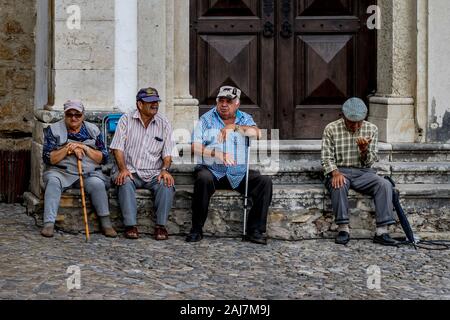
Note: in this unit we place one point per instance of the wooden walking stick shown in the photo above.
(83, 199)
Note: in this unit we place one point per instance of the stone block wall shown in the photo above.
(17, 59)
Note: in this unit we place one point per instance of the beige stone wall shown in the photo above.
(17, 52)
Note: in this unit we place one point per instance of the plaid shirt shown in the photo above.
(206, 133)
(339, 148)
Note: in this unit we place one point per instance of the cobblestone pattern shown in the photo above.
(32, 267)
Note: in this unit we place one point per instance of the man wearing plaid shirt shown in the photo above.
(219, 142)
(349, 149)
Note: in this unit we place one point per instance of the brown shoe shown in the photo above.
(48, 230)
(109, 232)
(161, 233)
(131, 233)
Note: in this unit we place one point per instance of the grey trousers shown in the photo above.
(367, 182)
(93, 186)
(128, 204)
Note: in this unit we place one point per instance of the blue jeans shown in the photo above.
(128, 204)
(93, 186)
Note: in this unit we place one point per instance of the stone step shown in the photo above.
(311, 172)
(297, 211)
(307, 150)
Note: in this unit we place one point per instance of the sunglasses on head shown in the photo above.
(71, 115)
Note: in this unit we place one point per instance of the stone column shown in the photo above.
(185, 106)
(392, 109)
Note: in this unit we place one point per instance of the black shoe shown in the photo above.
(256, 237)
(385, 240)
(342, 238)
(194, 236)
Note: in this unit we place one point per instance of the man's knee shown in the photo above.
(53, 182)
(128, 184)
(165, 189)
(385, 185)
(204, 177)
(266, 181)
(94, 184)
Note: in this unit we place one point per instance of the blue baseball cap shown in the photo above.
(148, 95)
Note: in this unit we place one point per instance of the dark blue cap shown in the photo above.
(148, 95)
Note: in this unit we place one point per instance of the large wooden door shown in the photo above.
(296, 61)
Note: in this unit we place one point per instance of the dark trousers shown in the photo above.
(259, 190)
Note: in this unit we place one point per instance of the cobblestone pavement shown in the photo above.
(32, 267)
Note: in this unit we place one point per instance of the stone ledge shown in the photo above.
(297, 212)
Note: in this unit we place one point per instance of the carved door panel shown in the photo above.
(296, 61)
(326, 54)
(232, 44)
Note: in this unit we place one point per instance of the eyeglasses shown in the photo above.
(76, 115)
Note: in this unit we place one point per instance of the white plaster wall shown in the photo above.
(439, 62)
(84, 58)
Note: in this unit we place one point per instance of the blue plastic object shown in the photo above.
(111, 122)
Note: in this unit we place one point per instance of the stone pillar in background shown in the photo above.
(185, 106)
(392, 109)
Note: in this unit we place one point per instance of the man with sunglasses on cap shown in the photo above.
(349, 149)
(143, 148)
(67, 141)
(219, 142)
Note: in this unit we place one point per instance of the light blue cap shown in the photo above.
(355, 109)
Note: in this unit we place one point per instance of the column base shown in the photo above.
(394, 117)
(185, 113)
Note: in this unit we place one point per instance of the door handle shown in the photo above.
(269, 27)
(286, 30)
(286, 26)
(269, 30)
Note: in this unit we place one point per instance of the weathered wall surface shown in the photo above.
(17, 56)
(439, 69)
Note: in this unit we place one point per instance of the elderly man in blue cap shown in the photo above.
(349, 149)
(143, 148)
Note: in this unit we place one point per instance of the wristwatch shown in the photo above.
(237, 128)
(165, 169)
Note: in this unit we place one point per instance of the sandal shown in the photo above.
(161, 233)
(131, 233)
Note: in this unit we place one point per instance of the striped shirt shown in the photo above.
(339, 148)
(206, 132)
(144, 148)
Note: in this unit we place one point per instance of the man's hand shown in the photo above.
(224, 132)
(225, 158)
(74, 145)
(78, 149)
(123, 174)
(363, 143)
(338, 180)
(79, 153)
(167, 178)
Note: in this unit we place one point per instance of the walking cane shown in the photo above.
(83, 199)
(244, 232)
